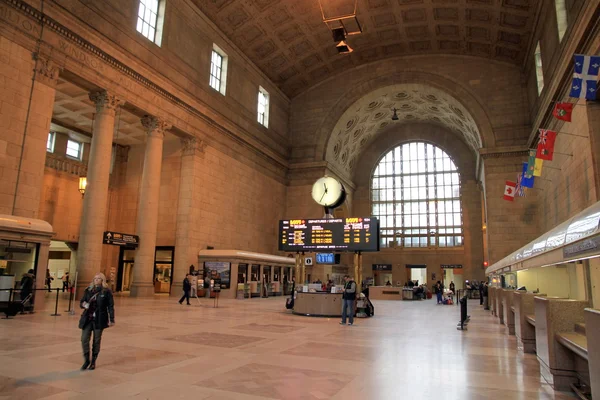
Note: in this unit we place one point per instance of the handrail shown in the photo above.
(64, 164)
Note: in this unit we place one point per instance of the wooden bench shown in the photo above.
(531, 319)
(576, 342)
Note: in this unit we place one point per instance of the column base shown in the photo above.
(142, 290)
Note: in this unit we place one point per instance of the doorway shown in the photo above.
(125, 273)
(163, 268)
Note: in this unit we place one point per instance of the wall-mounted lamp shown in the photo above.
(82, 185)
(395, 116)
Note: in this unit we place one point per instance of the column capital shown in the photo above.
(105, 100)
(46, 71)
(155, 126)
(192, 146)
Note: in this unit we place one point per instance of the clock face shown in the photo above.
(327, 191)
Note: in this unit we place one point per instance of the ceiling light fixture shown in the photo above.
(340, 18)
(395, 116)
(343, 48)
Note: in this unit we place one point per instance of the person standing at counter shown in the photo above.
(348, 298)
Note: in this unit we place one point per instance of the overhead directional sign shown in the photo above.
(120, 239)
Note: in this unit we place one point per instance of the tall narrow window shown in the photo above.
(147, 21)
(75, 149)
(218, 69)
(539, 71)
(50, 142)
(415, 193)
(561, 18)
(263, 107)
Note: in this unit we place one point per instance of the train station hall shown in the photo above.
(299, 199)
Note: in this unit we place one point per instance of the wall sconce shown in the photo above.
(82, 185)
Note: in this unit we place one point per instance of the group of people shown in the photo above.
(65, 280)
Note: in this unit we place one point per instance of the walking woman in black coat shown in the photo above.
(98, 314)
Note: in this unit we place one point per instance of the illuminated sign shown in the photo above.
(340, 234)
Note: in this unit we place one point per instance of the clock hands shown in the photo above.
(324, 193)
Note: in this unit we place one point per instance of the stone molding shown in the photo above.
(46, 71)
(155, 126)
(192, 146)
(500, 152)
(105, 101)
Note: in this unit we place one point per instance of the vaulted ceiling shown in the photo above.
(288, 40)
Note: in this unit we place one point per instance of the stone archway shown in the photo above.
(357, 118)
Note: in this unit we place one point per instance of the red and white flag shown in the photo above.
(509, 190)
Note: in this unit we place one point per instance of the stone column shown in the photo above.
(35, 128)
(188, 212)
(143, 268)
(93, 220)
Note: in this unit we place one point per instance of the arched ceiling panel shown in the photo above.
(372, 114)
(288, 40)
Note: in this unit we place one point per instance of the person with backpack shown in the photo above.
(98, 314)
(348, 298)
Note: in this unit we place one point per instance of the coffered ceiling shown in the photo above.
(73, 114)
(288, 40)
(371, 115)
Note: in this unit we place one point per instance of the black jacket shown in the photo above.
(349, 290)
(27, 284)
(187, 286)
(105, 307)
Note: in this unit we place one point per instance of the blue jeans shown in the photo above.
(439, 297)
(347, 310)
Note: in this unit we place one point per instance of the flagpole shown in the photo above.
(564, 154)
(544, 179)
(572, 134)
(547, 166)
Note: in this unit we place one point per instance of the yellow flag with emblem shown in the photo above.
(537, 170)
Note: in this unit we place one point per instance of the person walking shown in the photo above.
(27, 283)
(187, 286)
(49, 280)
(98, 314)
(65, 281)
(348, 298)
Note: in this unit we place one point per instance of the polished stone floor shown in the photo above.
(255, 349)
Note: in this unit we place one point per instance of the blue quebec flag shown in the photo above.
(585, 78)
(526, 182)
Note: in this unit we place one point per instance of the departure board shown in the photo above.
(340, 234)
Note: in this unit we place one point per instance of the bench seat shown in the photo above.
(575, 342)
(531, 319)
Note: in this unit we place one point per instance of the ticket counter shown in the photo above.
(246, 267)
(319, 304)
(386, 293)
(24, 245)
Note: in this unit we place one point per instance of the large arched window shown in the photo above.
(415, 193)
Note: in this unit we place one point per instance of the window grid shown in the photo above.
(416, 195)
(50, 142)
(263, 107)
(147, 17)
(539, 72)
(74, 149)
(216, 69)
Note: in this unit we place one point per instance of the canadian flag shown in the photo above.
(509, 190)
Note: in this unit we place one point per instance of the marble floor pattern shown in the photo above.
(254, 349)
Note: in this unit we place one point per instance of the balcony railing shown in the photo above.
(64, 164)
